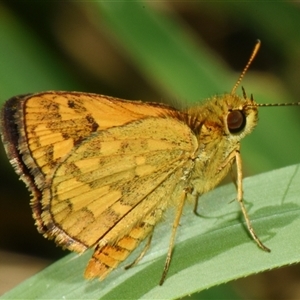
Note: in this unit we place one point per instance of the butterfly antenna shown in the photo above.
(254, 52)
(277, 104)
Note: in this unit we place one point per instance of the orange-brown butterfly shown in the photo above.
(102, 170)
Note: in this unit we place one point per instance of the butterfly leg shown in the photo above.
(173, 234)
(135, 262)
(196, 197)
(239, 184)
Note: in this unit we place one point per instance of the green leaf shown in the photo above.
(210, 250)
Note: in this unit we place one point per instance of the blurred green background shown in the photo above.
(172, 52)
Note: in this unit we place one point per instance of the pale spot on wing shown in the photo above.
(62, 210)
(88, 164)
(86, 199)
(45, 139)
(107, 199)
(144, 170)
(74, 223)
(70, 189)
(140, 160)
(110, 147)
(61, 148)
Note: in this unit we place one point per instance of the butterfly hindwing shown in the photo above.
(109, 182)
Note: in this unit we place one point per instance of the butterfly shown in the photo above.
(102, 171)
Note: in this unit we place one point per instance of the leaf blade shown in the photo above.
(215, 244)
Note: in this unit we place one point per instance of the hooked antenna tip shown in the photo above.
(254, 52)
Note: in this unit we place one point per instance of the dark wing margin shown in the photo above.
(10, 135)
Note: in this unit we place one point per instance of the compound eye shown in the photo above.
(236, 121)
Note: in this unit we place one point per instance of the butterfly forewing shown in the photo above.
(52, 123)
